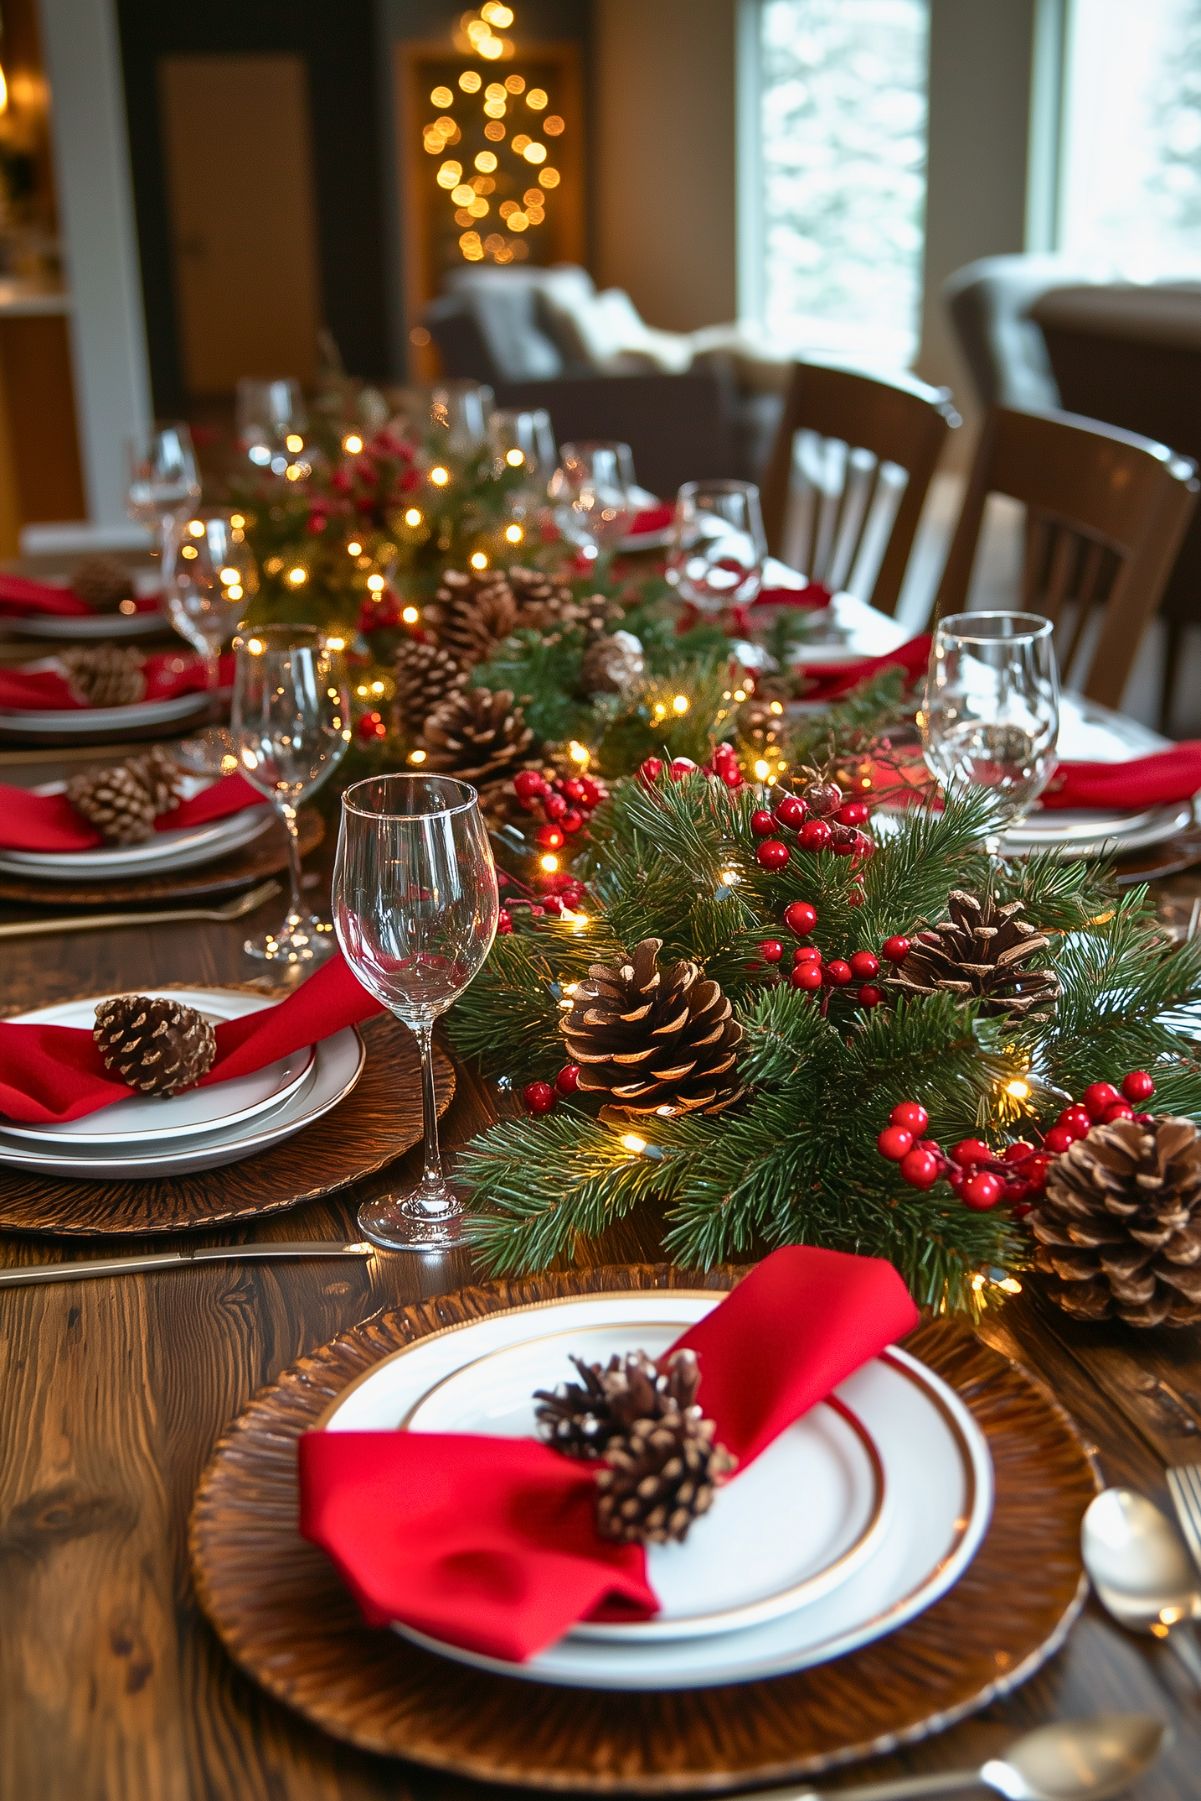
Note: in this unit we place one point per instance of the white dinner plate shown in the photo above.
(804, 1515)
(336, 1067)
(67, 628)
(937, 1480)
(165, 851)
(44, 722)
(159, 1118)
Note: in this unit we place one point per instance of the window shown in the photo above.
(1130, 193)
(840, 153)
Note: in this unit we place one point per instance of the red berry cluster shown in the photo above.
(722, 767)
(540, 1097)
(372, 726)
(564, 802)
(979, 1175)
(810, 972)
(565, 893)
(819, 818)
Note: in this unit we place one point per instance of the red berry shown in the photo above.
(593, 792)
(1034, 1171)
(682, 766)
(854, 897)
(911, 1115)
(806, 953)
(772, 853)
(549, 837)
(895, 950)
(1076, 1120)
(800, 918)
(504, 923)
(791, 812)
(920, 1168)
(771, 950)
(539, 1097)
(1119, 1110)
(852, 812)
(894, 1143)
(844, 843)
(553, 904)
(650, 771)
(731, 775)
(527, 784)
(572, 821)
(815, 835)
(762, 823)
(838, 973)
(969, 1151)
(1018, 1151)
(870, 996)
(864, 966)
(807, 976)
(956, 1178)
(554, 806)
(568, 1078)
(1097, 1097)
(1138, 1086)
(1057, 1140)
(573, 788)
(983, 1191)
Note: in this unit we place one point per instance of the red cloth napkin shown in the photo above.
(809, 594)
(653, 519)
(1156, 780)
(50, 1073)
(827, 681)
(48, 822)
(168, 674)
(19, 597)
(492, 1544)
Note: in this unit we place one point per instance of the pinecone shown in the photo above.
(116, 801)
(546, 605)
(426, 675)
(613, 664)
(478, 736)
(161, 778)
(103, 583)
(1119, 1226)
(659, 1477)
(755, 721)
(471, 613)
(104, 675)
(580, 1419)
(156, 1045)
(654, 1040)
(983, 951)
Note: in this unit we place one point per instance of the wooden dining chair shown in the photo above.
(848, 475)
(1106, 513)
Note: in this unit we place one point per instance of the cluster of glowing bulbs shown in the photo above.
(516, 124)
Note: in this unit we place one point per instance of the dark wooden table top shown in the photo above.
(112, 1686)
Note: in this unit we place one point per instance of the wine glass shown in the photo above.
(718, 545)
(163, 479)
(991, 713)
(209, 578)
(415, 909)
(450, 416)
(523, 445)
(290, 728)
(271, 424)
(592, 496)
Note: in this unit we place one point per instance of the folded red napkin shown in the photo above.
(491, 1543)
(807, 594)
(1155, 780)
(50, 1073)
(653, 519)
(168, 674)
(827, 681)
(19, 597)
(48, 822)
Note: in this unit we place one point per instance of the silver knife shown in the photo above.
(154, 1260)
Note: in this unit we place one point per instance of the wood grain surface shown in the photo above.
(112, 1685)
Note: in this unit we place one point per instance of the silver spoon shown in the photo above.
(1076, 1760)
(1141, 1571)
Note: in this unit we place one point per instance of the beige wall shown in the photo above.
(663, 157)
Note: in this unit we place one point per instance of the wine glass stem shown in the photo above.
(212, 680)
(431, 1176)
(287, 813)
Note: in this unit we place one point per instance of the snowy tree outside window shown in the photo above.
(842, 160)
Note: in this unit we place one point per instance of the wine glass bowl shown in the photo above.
(163, 478)
(416, 906)
(718, 545)
(272, 423)
(592, 496)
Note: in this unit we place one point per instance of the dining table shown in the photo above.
(113, 1687)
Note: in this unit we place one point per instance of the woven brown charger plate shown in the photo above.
(263, 856)
(285, 1617)
(378, 1121)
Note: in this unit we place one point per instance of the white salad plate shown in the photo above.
(935, 1481)
(72, 628)
(92, 722)
(336, 1066)
(165, 851)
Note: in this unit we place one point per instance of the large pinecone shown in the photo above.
(426, 674)
(103, 582)
(156, 1045)
(1119, 1226)
(471, 613)
(654, 1040)
(546, 605)
(659, 1477)
(582, 1418)
(123, 800)
(104, 675)
(478, 736)
(613, 664)
(983, 951)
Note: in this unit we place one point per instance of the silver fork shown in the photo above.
(1184, 1486)
(96, 922)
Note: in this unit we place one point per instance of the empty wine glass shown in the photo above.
(209, 578)
(272, 424)
(718, 545)
(991, 713)
(163, 479)
(523, 446)
(450, 416)
(290, 728)
(415, 910)
(592, 495)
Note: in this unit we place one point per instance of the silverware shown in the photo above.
(1141, 1571)
(1184, 1486)
(156, 1260)
(96, 922)
(1074, 1760)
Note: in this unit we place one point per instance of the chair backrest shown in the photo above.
(1106, 513)
(848, 474)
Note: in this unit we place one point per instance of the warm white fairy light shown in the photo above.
(410, 615)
